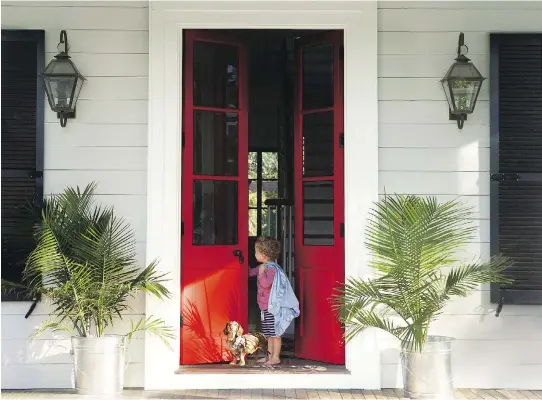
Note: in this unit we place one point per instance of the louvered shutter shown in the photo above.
(516, 164)
(22, 145)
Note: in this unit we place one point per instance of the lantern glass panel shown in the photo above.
(59, 92)
(464, 94)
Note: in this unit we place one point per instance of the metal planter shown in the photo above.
(428, 375)
(99, 365)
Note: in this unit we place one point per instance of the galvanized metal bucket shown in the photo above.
(428, 375)
(99, 365)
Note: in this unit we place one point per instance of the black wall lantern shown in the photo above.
(462, 85)
(63, 82)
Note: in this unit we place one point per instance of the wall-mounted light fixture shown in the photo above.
(63, 82)
(462, 85)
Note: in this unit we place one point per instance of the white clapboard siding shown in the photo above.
(423, 66)
(422, 152)
(466, 158)
(95, 135)
(432, 136)
(415, 88)
(116, 65)
(106, 143)
(55, 18)
(432, 183)
(116, 88)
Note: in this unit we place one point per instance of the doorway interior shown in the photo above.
(262, 155)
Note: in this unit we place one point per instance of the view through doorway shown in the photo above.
(262, 155)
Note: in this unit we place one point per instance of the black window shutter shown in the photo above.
(516, 164)
(23, 96)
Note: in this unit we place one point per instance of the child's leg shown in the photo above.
(265, 358)
(275, 348)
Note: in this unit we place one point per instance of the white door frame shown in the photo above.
(167, 21)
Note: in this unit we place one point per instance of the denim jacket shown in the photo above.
(283, 303)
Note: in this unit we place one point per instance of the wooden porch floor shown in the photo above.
(265, 394)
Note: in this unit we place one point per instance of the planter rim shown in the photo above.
(108, 336)
(432, 340)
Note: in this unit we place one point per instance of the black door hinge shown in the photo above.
(342, 230)
(182, 229)
(341, 140)
(504, 177)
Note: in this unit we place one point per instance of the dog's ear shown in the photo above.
(239, 330)
(226, 328)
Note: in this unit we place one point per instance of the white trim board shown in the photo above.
(358, 19)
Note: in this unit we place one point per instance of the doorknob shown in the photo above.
(239, 255)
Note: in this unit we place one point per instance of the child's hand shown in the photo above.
(261, 268)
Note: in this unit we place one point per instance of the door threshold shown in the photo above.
(288, 366)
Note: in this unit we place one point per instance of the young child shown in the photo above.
(285, 307)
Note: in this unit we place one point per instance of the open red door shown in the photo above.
(319, 196)
(214, 270)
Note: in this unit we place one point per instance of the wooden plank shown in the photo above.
(529, 394)
(389, 393)
(434, 183)
(334, 394)
(454, 20)
(516, 394)
(312, 393)
(290, 393)
(301, 394)
(429, 43)
(92, 135)
(427, 112)
(463, 5)
(107, 111)
(100, 41)
(357, 394)
(379, 395)
(96, 158)
(223, 394)
(417, 89)
(424, 66)
(57, 18)
(116, 88)
(279, 394)
(437, 135)
(444, 160)
(345, 394)
(244, 394)
(323, 394)
(109, 182)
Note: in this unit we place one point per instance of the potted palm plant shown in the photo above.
(414, 241)
(84, 264)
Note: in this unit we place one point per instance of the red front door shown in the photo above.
(214, 256)
(319, 196)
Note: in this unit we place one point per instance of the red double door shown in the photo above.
(214, 270)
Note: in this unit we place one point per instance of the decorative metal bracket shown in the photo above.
(500, 306)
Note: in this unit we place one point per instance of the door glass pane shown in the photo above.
(270, 165)
(318, 213)
(215, 75)
(318, 144)
(214, 212)
(269, 226)
(317, 72)
(215, 143)
(253, 222)
(270, 190)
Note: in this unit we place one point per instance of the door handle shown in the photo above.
(239, 255)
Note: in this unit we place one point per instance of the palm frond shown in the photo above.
(85, 263)
(412, 240)
(155, 326)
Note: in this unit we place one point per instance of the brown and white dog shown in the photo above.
(242, 345)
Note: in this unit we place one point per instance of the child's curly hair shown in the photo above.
(268, 246)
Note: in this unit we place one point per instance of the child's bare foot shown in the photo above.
(273, 362)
